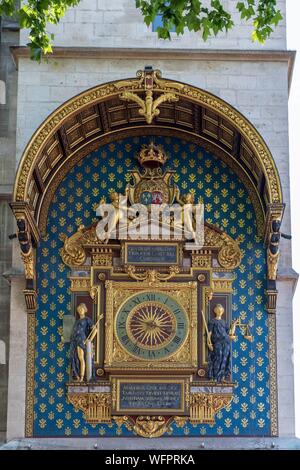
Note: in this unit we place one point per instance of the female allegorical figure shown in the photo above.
(218, 342)
(81, 331)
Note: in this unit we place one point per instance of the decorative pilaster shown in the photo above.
(28, 236)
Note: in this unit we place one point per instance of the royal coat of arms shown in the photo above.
(152, 185)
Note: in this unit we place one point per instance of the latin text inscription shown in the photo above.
(154, 254)
(150, 396)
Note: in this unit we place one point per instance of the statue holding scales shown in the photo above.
(218, 337)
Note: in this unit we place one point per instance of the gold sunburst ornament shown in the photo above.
(151, 325)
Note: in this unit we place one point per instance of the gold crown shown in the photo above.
(152, 156)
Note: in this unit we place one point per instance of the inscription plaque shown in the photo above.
(151, 254)
(150, 396)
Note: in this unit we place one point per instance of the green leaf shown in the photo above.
(209, 18)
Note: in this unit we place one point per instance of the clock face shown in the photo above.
(151, 325)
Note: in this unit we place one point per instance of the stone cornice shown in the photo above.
(288, 275)
(167, 54)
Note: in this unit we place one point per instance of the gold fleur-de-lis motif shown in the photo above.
(226, 203)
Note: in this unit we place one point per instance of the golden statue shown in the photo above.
(120, 215)
(187, 217)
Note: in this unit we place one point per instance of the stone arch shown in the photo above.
(104, 112)
(146, 105)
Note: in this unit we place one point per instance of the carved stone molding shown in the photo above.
(148, 54)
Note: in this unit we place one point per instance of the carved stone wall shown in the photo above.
(8, 114)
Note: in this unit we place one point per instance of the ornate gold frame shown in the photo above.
(162, 263)
(116, 358)
(117, 380)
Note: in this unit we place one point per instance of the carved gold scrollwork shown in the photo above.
(180, 421)
(222, 285)
(150, 426)
(29, 264)
(123, 421)
(119, 354)
(230, 254)
(184, 354)
(73, 253)
(148, 106)
(149, 80)
(204, 406)
(221, 401)
(94, 293)
(79, 283)
(272, 264)
(165, 84)
(151, 275)
(95, 406)
(208, 295)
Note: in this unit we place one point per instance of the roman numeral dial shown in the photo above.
(151, 325)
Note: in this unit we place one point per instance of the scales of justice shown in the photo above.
(151, 330)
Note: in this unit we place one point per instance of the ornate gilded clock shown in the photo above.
(151, 326)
